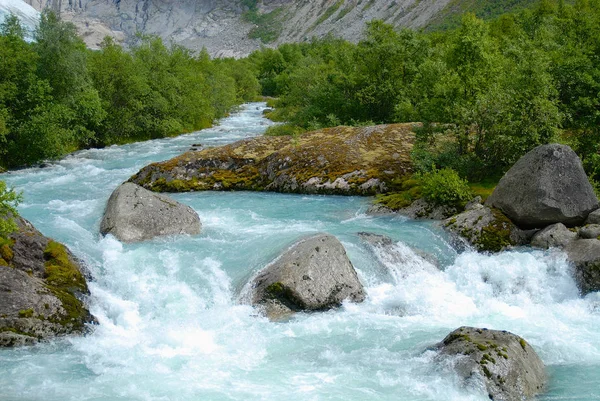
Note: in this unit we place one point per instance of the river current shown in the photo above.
(171, 327)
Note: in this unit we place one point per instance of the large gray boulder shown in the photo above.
(585, 255)
(548, 185)
(314, 274)
(135, 214)
(508, 366)
(42, 287)
(486, 229)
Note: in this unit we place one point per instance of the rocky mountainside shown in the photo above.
(236, 27)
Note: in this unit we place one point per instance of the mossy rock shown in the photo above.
(42, 289)
(486, 229)
(340, 160)
(505, 363)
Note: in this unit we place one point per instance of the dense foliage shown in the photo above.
(57, 96)
(487, 92)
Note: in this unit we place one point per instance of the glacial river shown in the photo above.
(171, 326)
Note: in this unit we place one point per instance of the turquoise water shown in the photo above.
(171, 326)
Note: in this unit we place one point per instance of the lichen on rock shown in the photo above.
(340, 160)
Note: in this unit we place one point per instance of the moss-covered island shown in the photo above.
(341, 160)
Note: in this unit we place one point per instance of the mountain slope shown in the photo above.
(236, 27)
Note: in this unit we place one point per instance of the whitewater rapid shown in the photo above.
(171, 327)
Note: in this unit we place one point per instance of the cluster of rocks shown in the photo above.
(545, 200)
(44, 286)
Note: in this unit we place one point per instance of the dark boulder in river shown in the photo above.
(548, 185)
(340, 160)
(41, 289)
(508, 366)
(585, 255)
(314, 274)
(135, 214)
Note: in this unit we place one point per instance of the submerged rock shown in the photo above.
(548, 185)
(486, 229)
(508, 366)
(314, 274)
(585, 255)
(136, 214)
(395, 254)
(341, 160)
(41, 289)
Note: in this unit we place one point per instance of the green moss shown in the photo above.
(60, 270)
(487, 358)
(63, 279)
(3, 262)
(496, 235)
(486, 372)
(523, 343)
(481, 347)
(6, 251)
(26, 313)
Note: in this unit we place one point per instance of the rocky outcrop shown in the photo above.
(585, 255)
(548, 185)
(135, 214)
(554, 236)
(314, 274)
(341, 160)
(41, 289)
(486, 229)
(508, 366)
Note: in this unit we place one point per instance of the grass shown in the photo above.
(484, 188)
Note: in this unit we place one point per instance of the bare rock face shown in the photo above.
(220, 26)
(135, 214)
(508, 366)
(546, 186)
(314, 274)
(41, 289)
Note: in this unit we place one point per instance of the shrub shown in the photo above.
(9, 199)
(445, 187)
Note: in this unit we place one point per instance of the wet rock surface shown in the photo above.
(314, 274)
(42, 289)
(508, 366)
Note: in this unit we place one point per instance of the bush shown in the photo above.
(445, 187)
(9, 199)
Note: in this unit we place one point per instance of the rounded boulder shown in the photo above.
(546, 186)
(313, 274)
(507, 365)
(135, 214)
